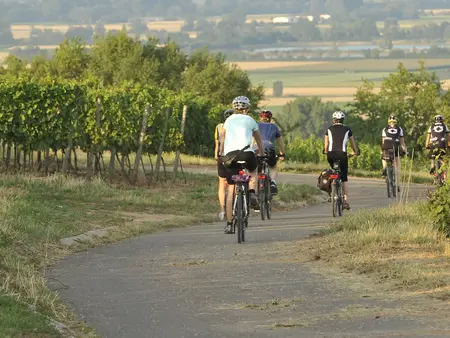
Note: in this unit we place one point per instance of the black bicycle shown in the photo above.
(241, 210)
(337, 190)
(264, 191)
(439, 176)
(391, 179)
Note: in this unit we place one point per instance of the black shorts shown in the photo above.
(434, 152)
(271, 158)
(343, 165)
(387, 153)
(221, 170)
(251, 165)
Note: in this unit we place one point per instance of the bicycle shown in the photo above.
(337, 193)
(439, 175)
(241, 210)
(264, 190)
(391, 179)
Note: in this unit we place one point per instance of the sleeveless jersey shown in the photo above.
(438, 132)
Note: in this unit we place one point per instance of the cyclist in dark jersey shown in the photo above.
(438, 140)
(392, 138)
(336, 138)
(269, 133)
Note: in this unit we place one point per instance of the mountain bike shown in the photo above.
(264, 190)
(337, 190)
(440, 174)
(391, 180)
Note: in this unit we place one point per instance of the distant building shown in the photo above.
(322, 17)
(283, 19)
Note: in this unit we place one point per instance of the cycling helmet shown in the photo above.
(439, 118)
(338, 115)
(241, 102)
(265, 114)
(227, 113)
(392, 119)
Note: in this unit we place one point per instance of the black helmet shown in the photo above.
(439, 118)
(227, 113)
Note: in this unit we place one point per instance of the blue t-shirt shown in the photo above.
(269, 132)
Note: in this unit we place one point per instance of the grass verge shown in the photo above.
(398, 246)
(36, 213)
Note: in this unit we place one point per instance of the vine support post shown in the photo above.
(93, 147)
(161, 144)
(135, 173)
(177, 155)
(112, 164)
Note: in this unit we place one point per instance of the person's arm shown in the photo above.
(326, 143)
(427, 142)
(353, 145)
(257, 136)
(281, 145)
(216, 144)
(402, 140)
(222, 145)
(383, 135)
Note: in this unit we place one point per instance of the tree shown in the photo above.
(277, 89)
(71, 60)
(304, 30)
(209, 75)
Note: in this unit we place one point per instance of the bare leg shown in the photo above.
(344, 184)
(384, 164)
(274, 173)
(221, 193)
(231, 188)
(253, 180)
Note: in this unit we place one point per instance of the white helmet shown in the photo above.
(338, 115)
(241, 102)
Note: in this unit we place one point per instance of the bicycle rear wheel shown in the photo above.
(388, 182)
(262, 198)
(240, 216)
(340, 199)
(334, 200)
(268, 200)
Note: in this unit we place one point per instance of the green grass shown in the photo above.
(399, 246)
(16, 320)
(36, 212)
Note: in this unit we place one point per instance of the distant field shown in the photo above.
(23, 31)
(257, 65)
(281, 101)
(332, 81)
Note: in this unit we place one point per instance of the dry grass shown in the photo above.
(398, 246)
(281, 101)
(256, 65)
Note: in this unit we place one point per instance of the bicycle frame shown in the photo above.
(391, 177)
(241, 201)
(337, 197)
(264, 189)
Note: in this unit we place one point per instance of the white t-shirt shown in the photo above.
(239, 130)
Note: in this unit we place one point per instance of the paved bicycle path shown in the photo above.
(198, 282)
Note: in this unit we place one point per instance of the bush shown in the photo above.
(439, 207)
(278, 88)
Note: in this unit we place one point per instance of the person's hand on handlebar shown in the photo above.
(282, 157)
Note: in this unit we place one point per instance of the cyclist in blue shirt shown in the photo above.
(269, 133)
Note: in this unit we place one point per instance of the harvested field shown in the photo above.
(23, 31)
(281, 101)
(317, 91)
(255, 65)
(3, 56)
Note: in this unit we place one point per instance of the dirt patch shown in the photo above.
(255, 65)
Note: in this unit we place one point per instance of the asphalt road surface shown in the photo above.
(198, 282)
